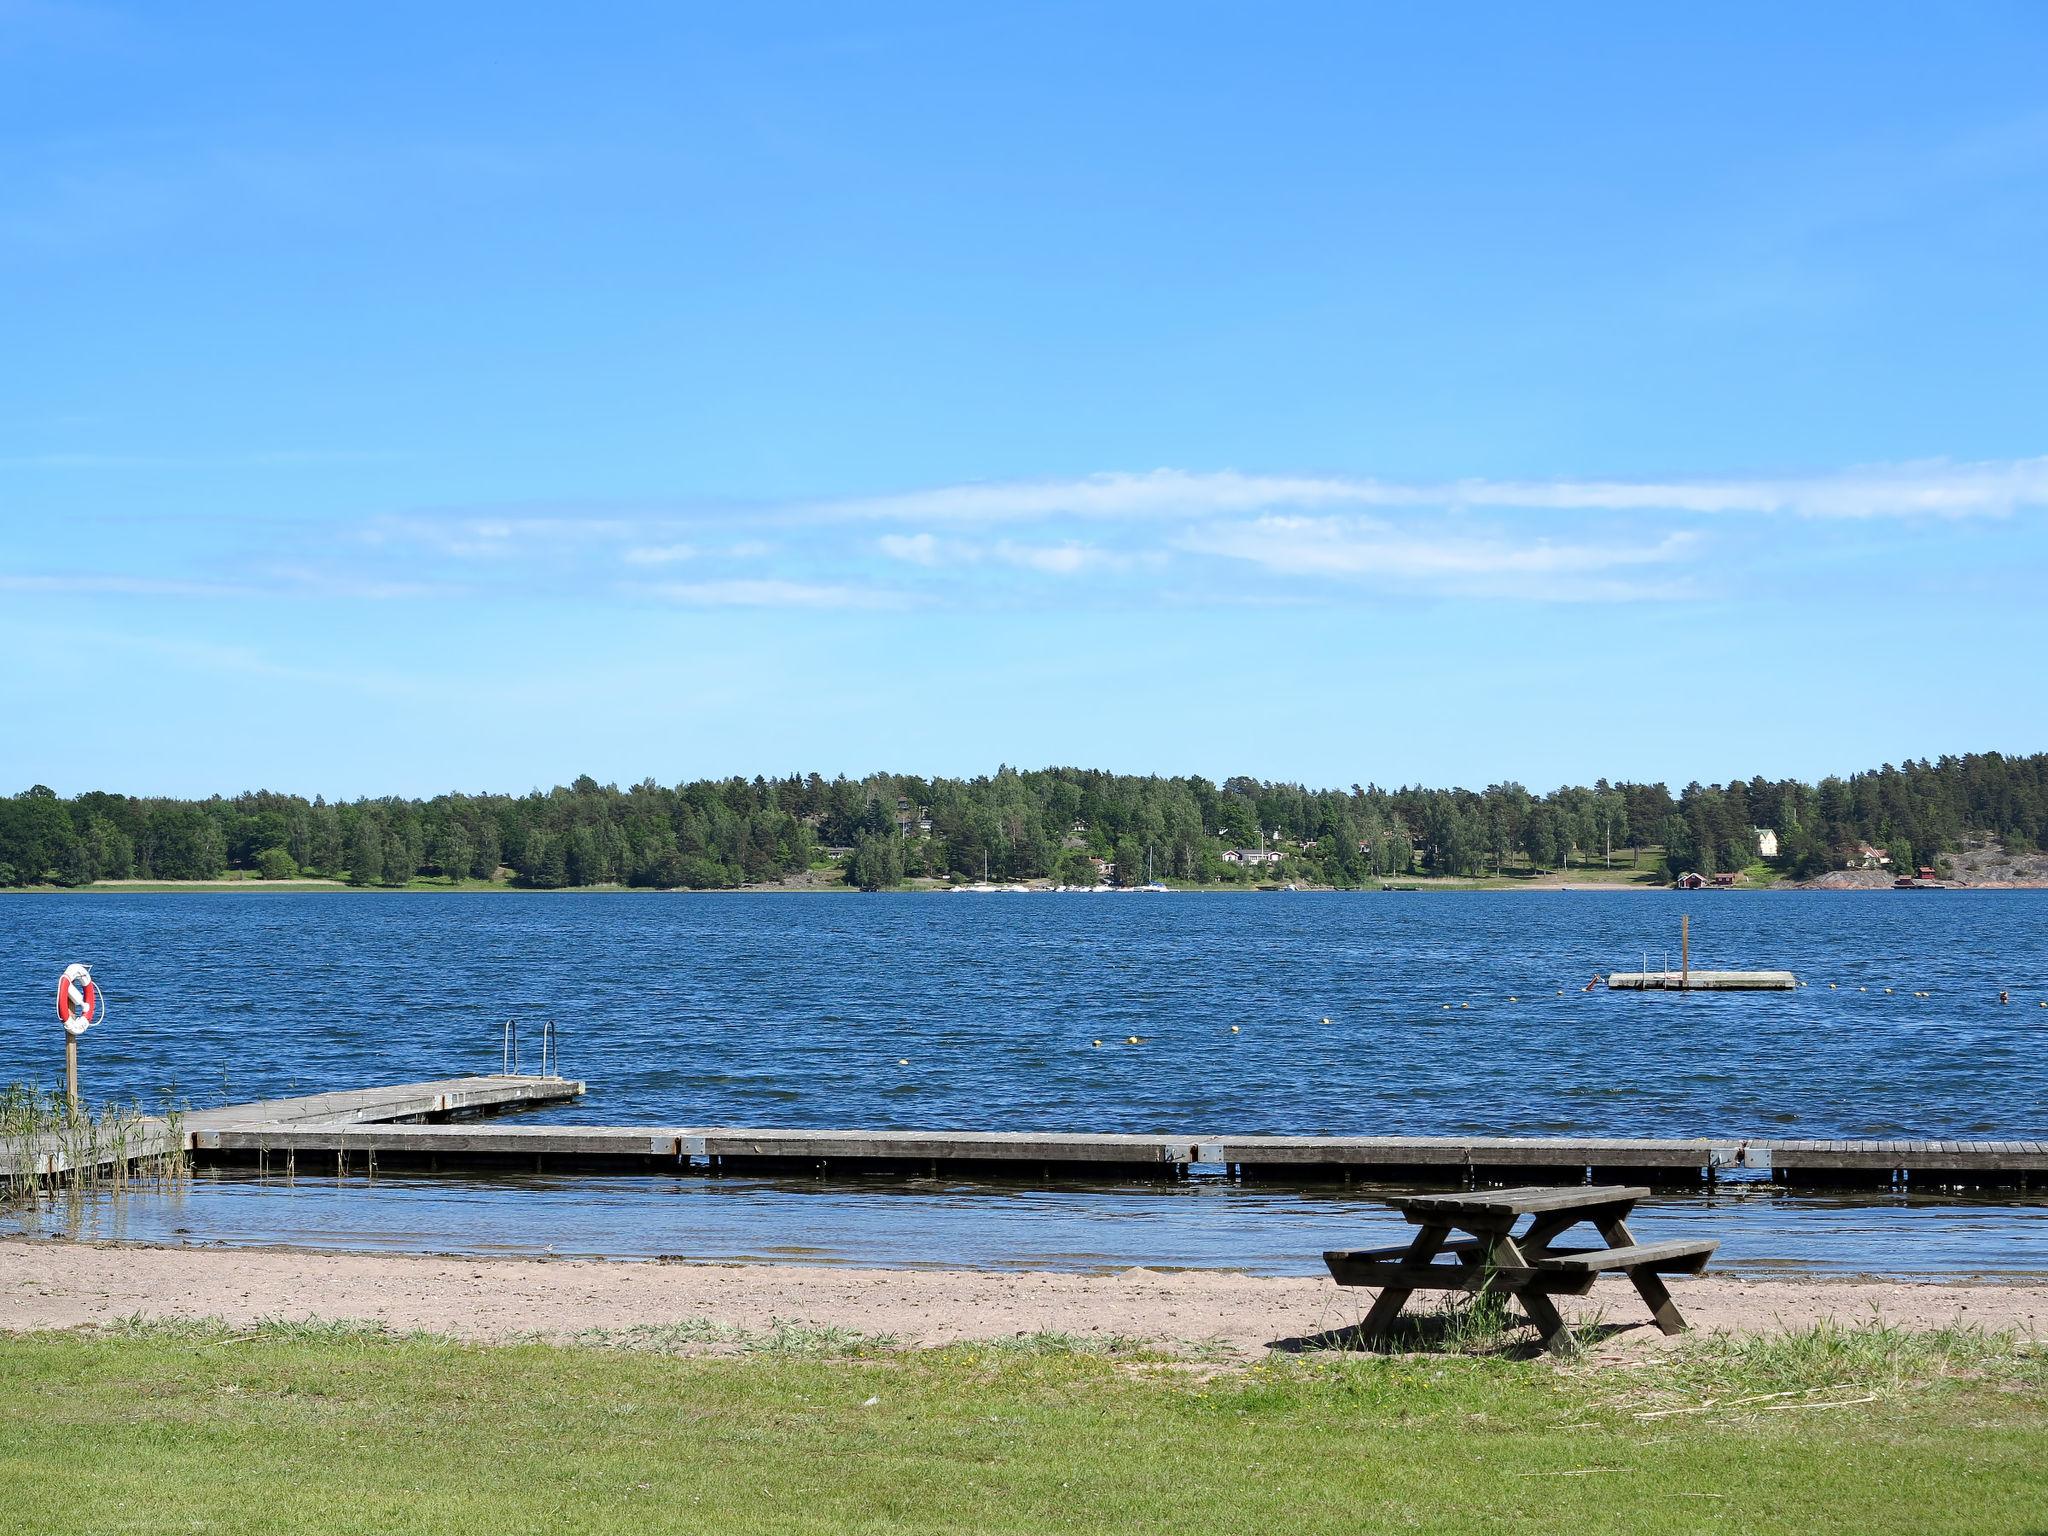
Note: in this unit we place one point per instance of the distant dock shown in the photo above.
(1688, 979)
(1702, 981)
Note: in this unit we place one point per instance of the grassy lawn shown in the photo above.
(312, 1428)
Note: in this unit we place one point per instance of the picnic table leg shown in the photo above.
(1550, 1323)
(1388, 1304)
(1656, 1295)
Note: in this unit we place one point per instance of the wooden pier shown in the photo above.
(440, 1127)
(149, 1137)
(1048, 1158)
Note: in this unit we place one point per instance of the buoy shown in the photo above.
(1233, 1028)
(1098, 1042)
(1863, 989)
(1887, 991)
(902, 1061)
(1514, 999)
(1130, 1039)
(1447, 1007)
(1464, 1005)
(79, 1004)
(1831, 986)
(1326, 1021)
(1560, 991)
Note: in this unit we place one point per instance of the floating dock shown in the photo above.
(148, 1137)
(444, 1126)
(1702, 981)
(372, 1141)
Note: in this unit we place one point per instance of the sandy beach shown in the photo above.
(45, 1285)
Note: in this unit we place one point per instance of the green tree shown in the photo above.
(184, 843)
(276, 864)
(366, 852)
(876, 864)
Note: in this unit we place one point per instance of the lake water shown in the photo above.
(1355, 1014)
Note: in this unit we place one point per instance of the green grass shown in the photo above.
(328, 1427)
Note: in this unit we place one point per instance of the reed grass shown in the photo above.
(50, 1147)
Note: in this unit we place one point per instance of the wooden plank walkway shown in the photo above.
(433, 1126)
(438, 1099)
(1047, 1157)
(441, 1099)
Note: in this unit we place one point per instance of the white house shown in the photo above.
(1250, 856)
(1766, 842)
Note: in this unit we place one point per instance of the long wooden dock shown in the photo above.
(1050, 1158)
(441, 1127)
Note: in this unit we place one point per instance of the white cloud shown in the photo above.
(770, 593)
(1359, 547)
(1937, 488)
(915, 548)
(497, 538)
(659, 554)
(1114, 497)
(1068, 559)
(123, 586)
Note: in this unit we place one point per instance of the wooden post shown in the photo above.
(1684, 951)
(71, 1070)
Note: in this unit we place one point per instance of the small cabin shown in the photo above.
(1691, 880)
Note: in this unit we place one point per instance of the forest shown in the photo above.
(878, 831)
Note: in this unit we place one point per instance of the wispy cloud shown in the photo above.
(770, 593)
(1360, 547)
(660, 554)
(1065, 558)
(498, 538)
(86, 583)
(260, 458)
(1161, 536)
(1927, 488)
(919, 549)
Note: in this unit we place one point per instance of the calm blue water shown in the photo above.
(796, 1010)
(919, 1223)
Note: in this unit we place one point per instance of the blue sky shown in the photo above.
(399, 398)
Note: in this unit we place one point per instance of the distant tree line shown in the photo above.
(1014, 825)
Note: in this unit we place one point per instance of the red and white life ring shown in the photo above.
(80, 1004)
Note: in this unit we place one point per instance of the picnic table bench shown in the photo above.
(1529, 1265)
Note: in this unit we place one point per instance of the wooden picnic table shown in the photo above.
(1493, 1258)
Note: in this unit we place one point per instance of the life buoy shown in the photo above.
(79, 1003)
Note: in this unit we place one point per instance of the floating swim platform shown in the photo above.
(1702, 981)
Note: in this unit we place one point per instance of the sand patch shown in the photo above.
(46, 1284)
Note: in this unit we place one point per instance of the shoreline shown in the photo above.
(55, 1284)
(1421, 888)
